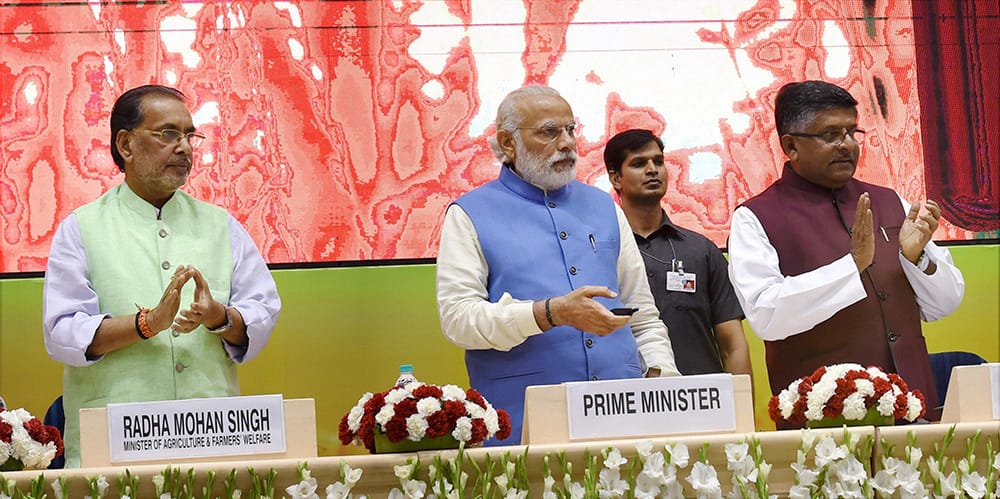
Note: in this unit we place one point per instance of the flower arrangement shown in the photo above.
(847, 391)
(26, 443)
(418, 411)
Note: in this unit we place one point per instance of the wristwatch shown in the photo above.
(225, 327)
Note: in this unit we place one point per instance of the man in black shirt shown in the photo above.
(687, 272)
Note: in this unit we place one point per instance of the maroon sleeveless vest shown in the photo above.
(808, 226)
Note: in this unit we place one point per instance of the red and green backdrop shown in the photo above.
(340, 130)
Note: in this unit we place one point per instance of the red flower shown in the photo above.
(504, 420)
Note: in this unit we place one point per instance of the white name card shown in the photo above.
(650, 406)
(995, 388)
(192, 428)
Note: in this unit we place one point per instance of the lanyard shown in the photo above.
(674, 264)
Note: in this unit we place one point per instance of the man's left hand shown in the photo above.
(918, 229)
(204, 311)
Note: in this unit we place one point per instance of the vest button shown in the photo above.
(893, 336)
(163, 232)
(180, 367)
(649, 274)
(175, 333)
(563, 235)
(572, 270)
(590, 343)
(165, 265)
(552, 204)
(593, 378)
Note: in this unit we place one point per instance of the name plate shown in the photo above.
(192, 428)
(650, 406)
(995, 388)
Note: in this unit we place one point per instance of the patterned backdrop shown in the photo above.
(340, 130)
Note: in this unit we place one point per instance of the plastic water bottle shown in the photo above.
(405, 375)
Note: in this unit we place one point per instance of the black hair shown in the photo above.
(625, 142)
(127, 113)
(796, 104)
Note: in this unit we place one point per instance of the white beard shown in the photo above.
(541, 173)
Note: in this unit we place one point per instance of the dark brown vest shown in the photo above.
(809, 225)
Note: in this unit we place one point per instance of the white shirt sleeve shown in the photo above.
(778, 306)
(468, 319)
(70, 309)
(650, 332)
(940, 293)
(252, 292)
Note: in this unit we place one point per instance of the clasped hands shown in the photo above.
(203, 311)
(914, 234)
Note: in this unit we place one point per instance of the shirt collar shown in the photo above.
(141, 206)
(527, 190)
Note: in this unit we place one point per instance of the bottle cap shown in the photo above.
(406, 368)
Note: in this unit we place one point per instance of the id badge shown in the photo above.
(680, 281)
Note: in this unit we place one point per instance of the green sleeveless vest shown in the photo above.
(131, 255)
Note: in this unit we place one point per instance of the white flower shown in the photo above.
(452, 392)
(397, 395)
(306, 489)
(576, 491)
(514, 494)
(996, 462)
(463, 429)
(350, 476)
(403, 471)
(827, 450)
(427, 406)
(974, 485)
(611, 484)
(158, 483)
(913, 407)
(705, 480)
(679, 456)
(799, 492)
(788, 397)
(614, 459)
(547, 483)
(885, 483)
(647, 486)
(644, 448)
(949, 485)
(808, 439)
(416, 427)
(653, 467)
(851, 470)
(414, 489)
(492, 420)
(804, 475)
(336, 490)
(474, 410)
(854, 406)
(385, 414)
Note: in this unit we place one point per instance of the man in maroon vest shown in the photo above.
(830, 269)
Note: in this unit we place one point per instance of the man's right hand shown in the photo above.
(579, 309)
(863, 235)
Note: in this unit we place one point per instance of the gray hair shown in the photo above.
(509, 115)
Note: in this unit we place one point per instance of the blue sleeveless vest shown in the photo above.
(539, 245)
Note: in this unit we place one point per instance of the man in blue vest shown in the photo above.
(189, 267)
(830, 269)
(531, 264)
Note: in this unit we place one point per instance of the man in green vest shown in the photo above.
(149, 293)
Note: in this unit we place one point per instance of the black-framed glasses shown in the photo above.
(835, 137)
(551, 132)
(171, 137)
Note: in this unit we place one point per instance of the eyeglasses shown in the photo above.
(170, 137)
(550, 132)
(835, 137)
